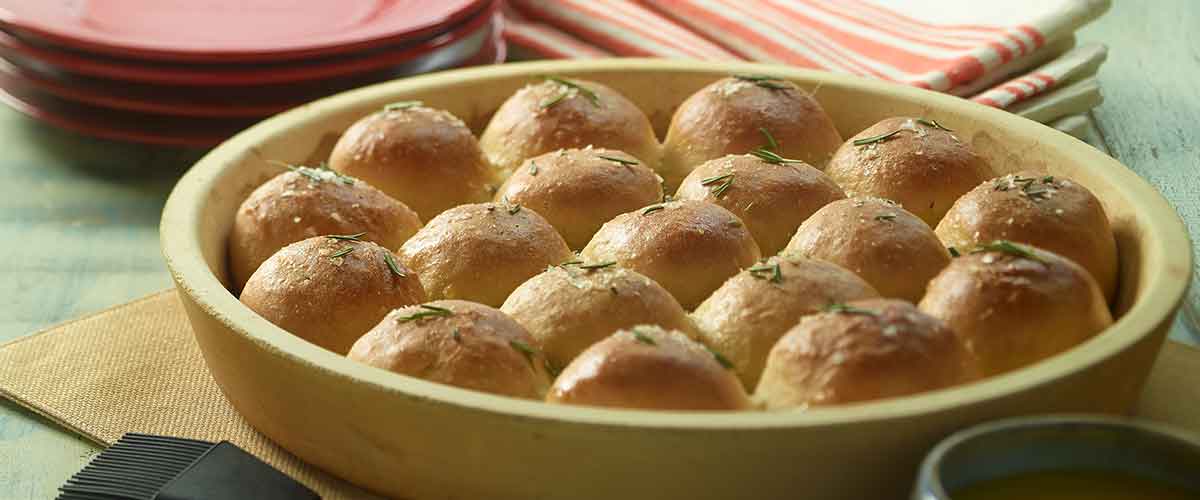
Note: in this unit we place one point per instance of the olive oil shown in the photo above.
(1073, 485)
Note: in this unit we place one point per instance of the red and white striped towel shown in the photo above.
(954, 46)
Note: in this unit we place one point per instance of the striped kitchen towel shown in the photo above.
(998, 53)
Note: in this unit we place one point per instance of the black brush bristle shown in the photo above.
(147, 467)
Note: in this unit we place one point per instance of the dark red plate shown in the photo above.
(459, 43)
(231, 30)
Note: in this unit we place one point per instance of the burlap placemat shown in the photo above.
(136, 368)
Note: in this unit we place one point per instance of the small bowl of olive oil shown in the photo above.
(1063, 457)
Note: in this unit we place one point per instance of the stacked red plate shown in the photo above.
(187, 73)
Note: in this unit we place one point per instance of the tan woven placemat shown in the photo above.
(136, 368)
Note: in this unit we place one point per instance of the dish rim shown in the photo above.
(1163, 290)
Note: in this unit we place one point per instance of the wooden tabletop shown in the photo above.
(79, 217)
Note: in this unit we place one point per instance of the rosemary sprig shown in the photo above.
(721, 359)
(427, 311)
(838, 307)
(347, 237)
(954, 252)
(533, 168)
(599, 265)
(875, 139)
(591, 96)
(653, 208)
(772, 144)
(391, 263)
(722, 182)
(342, 252)
(764, 81)
(885, 217)
(1010, 248)
(932, 123)
(643, 338)
(320, 173)
(396, 106)
(524, 349)
(617, 159)
(769, 272)
(772, 158)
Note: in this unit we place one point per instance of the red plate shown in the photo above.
(231, 30)
(465, 39)
(202, 101)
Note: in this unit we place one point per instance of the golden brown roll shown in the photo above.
(329, 291)
(649, 368)
(559, 113)
(861, 351)
(307, 202)
(424, 157)
(457, 343)
(568, 308)
(578, 190)
(876, 239)
(1013, 304)
(1051, 213)
(730, 115)
(748, 314)
(771, 199)
(916, 162)
(481, 252)
(688, 247)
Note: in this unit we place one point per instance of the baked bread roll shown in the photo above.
(1013, 304)
(746, 316)
(1051, 213)
(457, 343)
(876, 239)
(742, 113)
(772, 199)
(481, 252)
(560, 113)
(861, 351)
(915, 162)
(424, 157)
(330, 290)
(578, 190)
(307, 202)
(569, 307)
(688, 247)
(649, 368)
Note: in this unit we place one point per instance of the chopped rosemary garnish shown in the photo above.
(524, 349)
(395, 106)
(653, 208)
(341, 252)
(618, 160)
(876, 139)
(770, 272)
(722, 183)
(554, 100)
(533, 168)
(764, 81)
(838, 307)
(885, 217)
(772, 144)
(932, 123)
(427, 312)
(954, 252)
(391, 263)
(1008, 247)
(643, 338)
(1049, 179)
(347, 237)
(456, 335)
(591, 96)
(571, 262)
(550, 368)
(721, 359)
(771, 157)
(600, 265)
(320, 173)
(511, 207)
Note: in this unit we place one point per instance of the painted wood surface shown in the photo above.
(79, 217)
